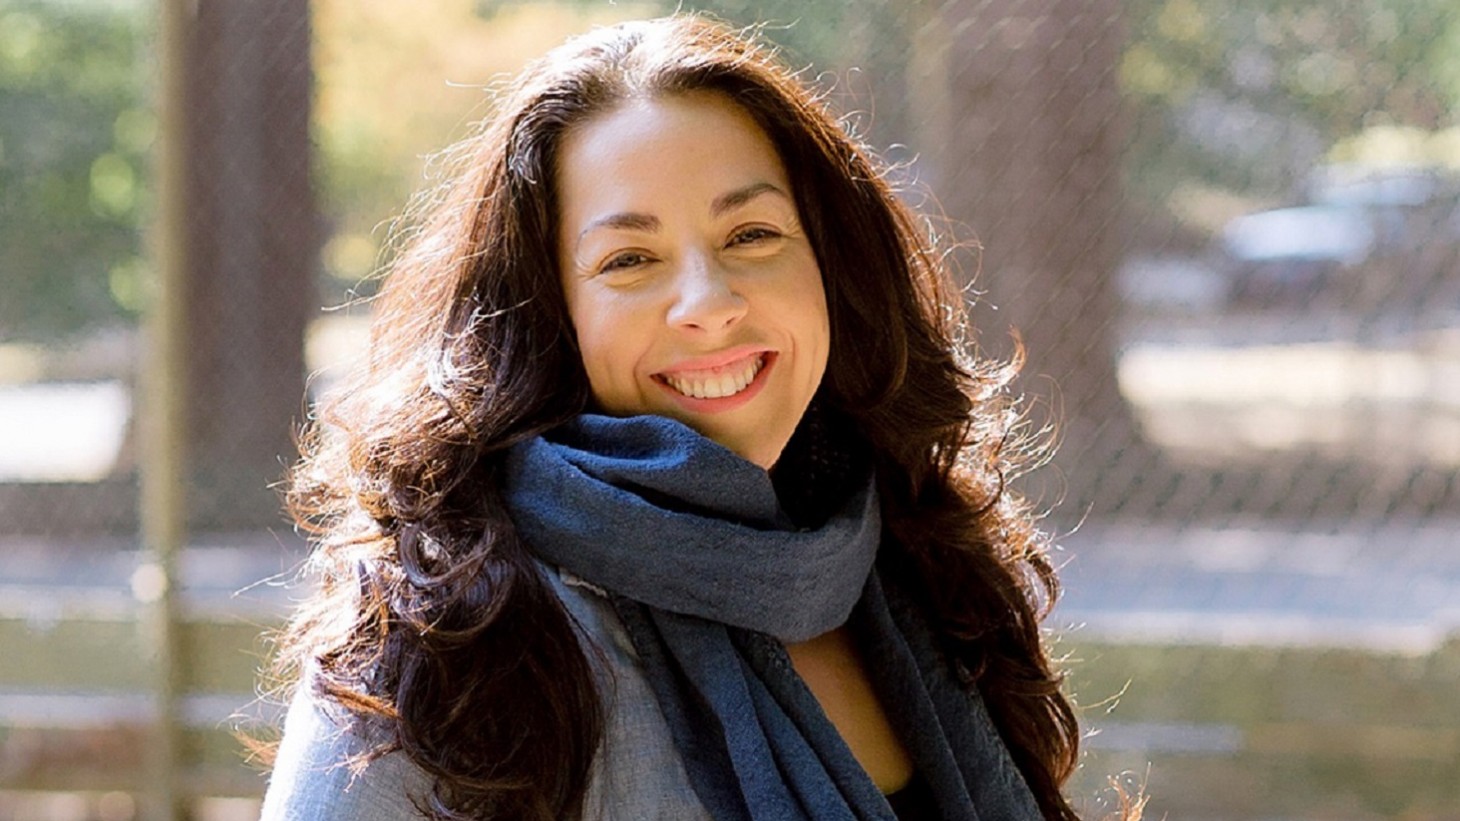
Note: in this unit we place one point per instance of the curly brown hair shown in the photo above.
(432, 625)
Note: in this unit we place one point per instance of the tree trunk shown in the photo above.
(1032, 169)
(251, 252)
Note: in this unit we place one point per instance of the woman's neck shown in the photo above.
(833, 671)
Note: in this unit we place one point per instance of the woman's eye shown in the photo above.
(623, 261)
(752, 235)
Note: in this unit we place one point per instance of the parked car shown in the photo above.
(1356, 224)
(1289, 253)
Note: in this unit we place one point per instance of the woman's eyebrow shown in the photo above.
(740, 196)
(627, 221)
(634, 221)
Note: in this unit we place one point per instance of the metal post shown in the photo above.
(162, 435)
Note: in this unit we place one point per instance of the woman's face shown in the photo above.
(689, 279)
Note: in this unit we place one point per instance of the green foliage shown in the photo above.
(395, 82)
(1246, 96)
(858, 50)
(821, 33)
(74, 137)
(1238, 98)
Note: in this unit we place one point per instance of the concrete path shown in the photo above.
(1393, 586)
(233, 574)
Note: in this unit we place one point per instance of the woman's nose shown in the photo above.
(706, 299)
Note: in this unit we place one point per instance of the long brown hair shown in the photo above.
(432, 624)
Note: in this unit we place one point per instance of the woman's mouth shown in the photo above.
(716, 383)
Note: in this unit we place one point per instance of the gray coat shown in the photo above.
(638, 774)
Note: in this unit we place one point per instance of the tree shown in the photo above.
(252, 251)
(74, 134)
(1032, 162)
(1247, 97)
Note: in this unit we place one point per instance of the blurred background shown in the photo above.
(1228, 234)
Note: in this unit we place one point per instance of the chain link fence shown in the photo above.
(1228, 236)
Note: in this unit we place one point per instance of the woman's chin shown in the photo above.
(758, 450)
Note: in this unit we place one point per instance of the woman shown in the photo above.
(668, 490)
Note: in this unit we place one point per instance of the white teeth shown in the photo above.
(716, 386)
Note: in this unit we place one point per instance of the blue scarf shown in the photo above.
(710, 577)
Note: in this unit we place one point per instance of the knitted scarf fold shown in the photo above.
(710, 578)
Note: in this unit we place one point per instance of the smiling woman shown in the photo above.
(693, 289)
(668, 489)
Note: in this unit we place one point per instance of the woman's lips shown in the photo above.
(720, 387)
(716, 383)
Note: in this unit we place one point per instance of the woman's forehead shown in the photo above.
(700, 136)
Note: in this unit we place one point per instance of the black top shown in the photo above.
(914, 802)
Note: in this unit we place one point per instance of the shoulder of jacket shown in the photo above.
(638, 773)
(593, 611)
(320, 773)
